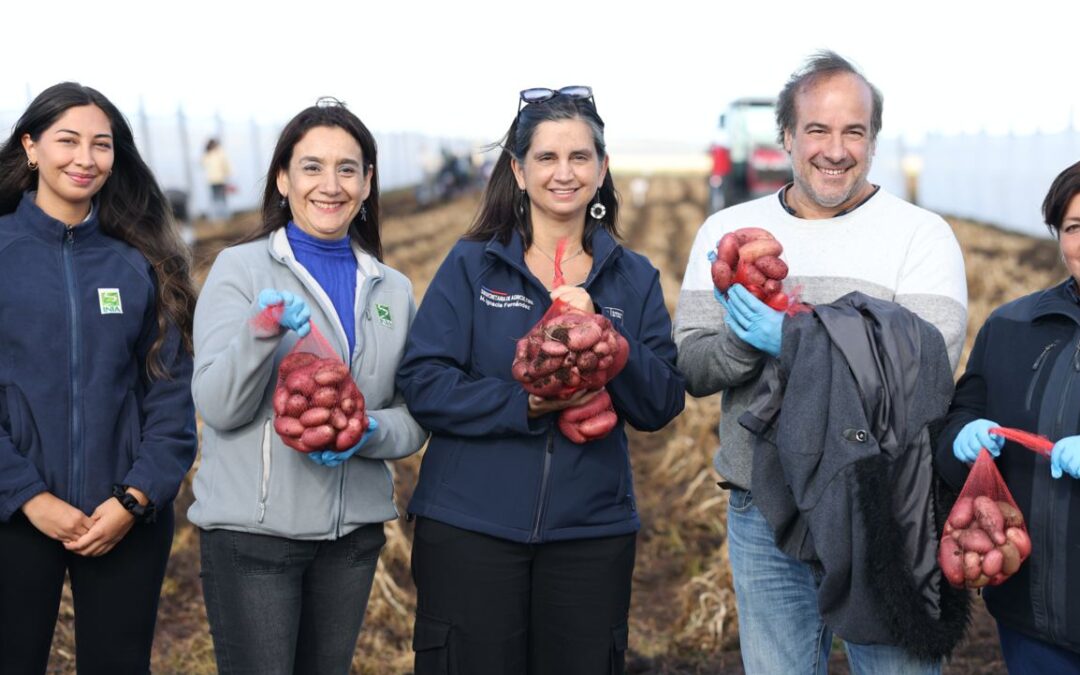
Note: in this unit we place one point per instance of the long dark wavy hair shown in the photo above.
(130, 205)
(503, 207)
(276, 212)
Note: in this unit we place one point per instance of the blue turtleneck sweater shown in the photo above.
(333, 265)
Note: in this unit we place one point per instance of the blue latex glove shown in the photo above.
(975, 436)
(296, 316)
(756, 324)
(331, 458)
(1065, 457)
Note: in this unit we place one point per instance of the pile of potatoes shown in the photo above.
(317, 406)
(984, 542)
(751, 256)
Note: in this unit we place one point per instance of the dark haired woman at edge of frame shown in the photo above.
(524, 544)
(290, 541)
(97, 426)
(1021, 374)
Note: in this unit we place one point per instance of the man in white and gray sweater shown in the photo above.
(840, 234)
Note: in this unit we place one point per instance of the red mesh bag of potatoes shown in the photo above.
(751, 256)
(568, 351)
(985, 539)
(317, 406)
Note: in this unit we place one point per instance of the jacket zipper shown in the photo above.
(1035, 367)
(365, 318)
(1051, 518)
(535, 537)
(75, 423)
(264, 487)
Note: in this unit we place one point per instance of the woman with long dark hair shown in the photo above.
(97, 426)
(290, 541)
(525, 541)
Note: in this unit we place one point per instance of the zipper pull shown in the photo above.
(69, 235)
(1042, 357)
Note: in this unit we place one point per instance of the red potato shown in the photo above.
(331, 374)
(990, 519)
(350, 435)
(348, 405)
(976, 540)
(963, 512)
(1011, 514)
(543, 365)
(972, 565)
(288, 426)
(325, 397)
(587, 361)
(992, 562)
(313, 417)
(772, 267)
(318, 437)
(595, 405)
(583, 336)
(722, 276)
(281, 397)
(338, 419)
(979, 581)
(295, 405)
(599, 425)
(951, 561)
(301, 382)
(727, 250)
(1019, 538)
(553, 348)
(748, 275)
(771, 287)
(1010, 558)
(745, 234)
(570, 430)
(759, 248)
(294, 361)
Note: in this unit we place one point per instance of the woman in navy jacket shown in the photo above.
(1023, 372)
(524, 544)
(97, 425)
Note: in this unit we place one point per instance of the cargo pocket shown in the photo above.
(431, 642)
(620, 640)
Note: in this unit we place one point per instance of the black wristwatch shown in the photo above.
(143, 514)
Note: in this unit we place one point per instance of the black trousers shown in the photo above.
(115, 596)
(491, 606)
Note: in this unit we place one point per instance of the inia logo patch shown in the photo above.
(109, 301)
(383, 311)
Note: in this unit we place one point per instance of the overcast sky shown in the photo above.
(660, 70)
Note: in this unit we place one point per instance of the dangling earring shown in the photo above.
(363, 212)
(523, 200)
(31, 164)
(598, 210)
(283, 202)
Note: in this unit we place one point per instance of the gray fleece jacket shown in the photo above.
(248, 480)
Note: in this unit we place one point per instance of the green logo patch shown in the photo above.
(384, 315)
(109, 301)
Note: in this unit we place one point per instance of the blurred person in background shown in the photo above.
(1020, 374)
(97, 425)
(524, 545)
(216, 167)
(840, 234)
(290, 541)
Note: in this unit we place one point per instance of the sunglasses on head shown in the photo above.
(541, 94)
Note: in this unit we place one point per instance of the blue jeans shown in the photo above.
(278, 606)
(1025, 655)
(780, 628)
